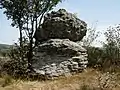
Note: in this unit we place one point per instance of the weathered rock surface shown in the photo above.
(62, 25)
(57, 57)
(58, 52)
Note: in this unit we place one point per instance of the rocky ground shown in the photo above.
(90, 79)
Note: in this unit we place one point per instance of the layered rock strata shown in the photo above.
(58, 53)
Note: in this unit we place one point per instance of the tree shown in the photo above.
(91, 36)
(112, 45)
(27, 16)
(94, 53)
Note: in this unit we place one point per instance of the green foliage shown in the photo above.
(18, 52)
(17, 65)
(112, 47)
(104, 58)
(109, 55)
(113, 42)
(27, 16)
(18, 9)
(95, 55)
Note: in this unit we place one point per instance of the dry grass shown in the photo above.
(90, 79)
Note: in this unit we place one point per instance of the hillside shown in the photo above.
(4, 46)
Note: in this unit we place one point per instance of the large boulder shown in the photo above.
(62, 25)
(57, 57)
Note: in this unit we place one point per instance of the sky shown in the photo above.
(105, 12)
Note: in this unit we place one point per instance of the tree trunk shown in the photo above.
(20, 37)
(30, 52)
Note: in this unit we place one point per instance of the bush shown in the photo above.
(17, 65)
(111, 48)
(94, 56)
(105, 58)
(109, 55)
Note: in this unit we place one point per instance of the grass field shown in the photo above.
(90, 79)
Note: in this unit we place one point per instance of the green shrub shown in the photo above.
(94, 56)
(17, 65)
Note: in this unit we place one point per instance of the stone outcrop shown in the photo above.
(59, 53)
(57, 57)
(62, 25)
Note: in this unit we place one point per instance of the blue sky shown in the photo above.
(106, 12)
